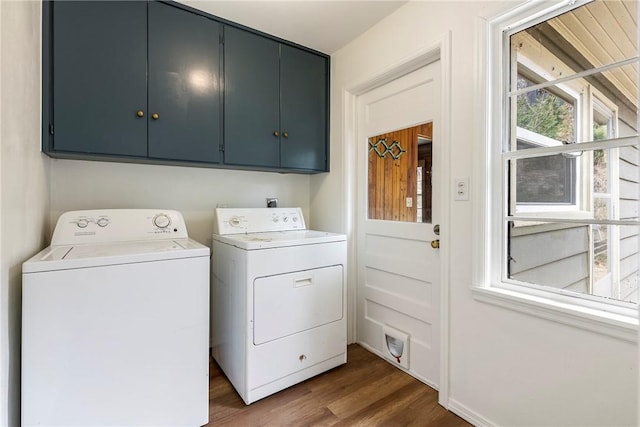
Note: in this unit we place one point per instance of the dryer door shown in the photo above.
(286, 304)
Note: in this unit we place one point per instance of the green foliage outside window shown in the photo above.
(544, 113)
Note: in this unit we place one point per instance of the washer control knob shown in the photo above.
(294, 219)
(161, 221)
(285, 219)
(103, 222)
(82, 223)
(234, 221)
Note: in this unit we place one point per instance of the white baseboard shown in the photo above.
(468, 414)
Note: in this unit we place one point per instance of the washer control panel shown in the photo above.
(257, 220)
(118, 225)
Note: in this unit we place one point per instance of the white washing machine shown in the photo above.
(115, 323)
(278, 299)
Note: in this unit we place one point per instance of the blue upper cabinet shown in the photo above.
(251, 99)
(160, 82)
(184, 85)
(303, 109)
(275, 117)
(99, 64)
(134, 79)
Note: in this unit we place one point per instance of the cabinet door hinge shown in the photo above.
(51, 129)
(222, 147)
(221, 39)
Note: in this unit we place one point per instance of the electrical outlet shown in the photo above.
(461, 188)
(272, 202)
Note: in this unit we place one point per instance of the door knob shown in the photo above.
(140, 113)
(435, 244)
(155, 116)
(285, 134)
(276, 133)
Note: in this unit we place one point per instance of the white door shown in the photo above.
(398, 270)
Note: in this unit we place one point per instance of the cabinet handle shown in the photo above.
(285, 134)
(276, 133)
(140, 113)
(155, 116)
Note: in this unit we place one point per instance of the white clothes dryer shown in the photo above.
(115, 323)
(278, 299)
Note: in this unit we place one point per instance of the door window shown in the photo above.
(399, 175)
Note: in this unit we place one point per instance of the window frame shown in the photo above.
(598, 103)
(616, 319)
(536, 140)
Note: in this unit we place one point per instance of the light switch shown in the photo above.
(409, 202)
(461, 188)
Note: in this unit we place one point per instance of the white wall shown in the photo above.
(506, 368)
(24, 196)
(194, 191)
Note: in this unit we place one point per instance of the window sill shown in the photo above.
(612, 324)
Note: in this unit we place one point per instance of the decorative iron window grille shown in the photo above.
(394, 149)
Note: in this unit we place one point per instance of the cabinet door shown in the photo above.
(303, 90)
(99, 77)
(184, 90)
(251, 99)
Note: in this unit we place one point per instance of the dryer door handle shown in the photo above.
(303, 281)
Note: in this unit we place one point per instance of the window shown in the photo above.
(544, 119)
(566, 160)
(549, 180)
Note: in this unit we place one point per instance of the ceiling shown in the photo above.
(323, 25)
(605, 32)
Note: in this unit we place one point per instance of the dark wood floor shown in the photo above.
(367, 391)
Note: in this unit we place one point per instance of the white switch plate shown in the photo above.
(461, 188)
(409, 202)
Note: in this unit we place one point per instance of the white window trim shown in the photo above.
(489, 259)
(601, 104)
(615, 325)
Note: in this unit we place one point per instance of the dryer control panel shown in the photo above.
(257, 220)
(118, 225)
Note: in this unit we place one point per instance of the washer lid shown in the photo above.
(83, 256)
(279, 239)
